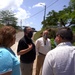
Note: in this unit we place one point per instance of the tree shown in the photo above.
(62, 18)
(51, 19)
(72, 4)
(67, 15)
(7, 18)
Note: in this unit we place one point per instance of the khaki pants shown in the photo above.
(39, 64)
(26, 69)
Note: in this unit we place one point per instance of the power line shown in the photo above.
(52, 3)
(43, 9)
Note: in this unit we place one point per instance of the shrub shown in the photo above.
(52, 43)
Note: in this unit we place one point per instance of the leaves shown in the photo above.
(61, 18)
(7, 18)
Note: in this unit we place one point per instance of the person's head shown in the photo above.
(45, 34)
(7, 36)
(64, 35)
(28, 32)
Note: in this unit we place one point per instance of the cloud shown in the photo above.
(39, 5)
(22, 14)
(15, 6)
(10, 4)
(4, 4)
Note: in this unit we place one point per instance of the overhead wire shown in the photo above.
(43, 9)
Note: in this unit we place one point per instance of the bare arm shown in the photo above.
(24, 51)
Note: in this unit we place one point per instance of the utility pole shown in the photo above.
(44, 13)
(21, 23)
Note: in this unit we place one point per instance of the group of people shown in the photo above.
(58, 61)
(28, 51)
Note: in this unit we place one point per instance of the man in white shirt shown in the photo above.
(43, 45)
(61, 60)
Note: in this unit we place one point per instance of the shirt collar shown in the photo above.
(64, 43)
(45, 39)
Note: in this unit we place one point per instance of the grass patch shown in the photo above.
(37, 35)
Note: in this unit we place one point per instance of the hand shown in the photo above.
(30, 46)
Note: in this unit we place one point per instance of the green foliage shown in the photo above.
(52, 32)
(1, 25)
(73, 38)
(8, 18)
(73, 29)
(37, 35)
(67, 15)
(51, 19)
(74, 43)
(63, 17)
(52, 43)
(72, 4)
(52, 36)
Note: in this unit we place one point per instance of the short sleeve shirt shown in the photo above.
(30, 56)
(9, 62)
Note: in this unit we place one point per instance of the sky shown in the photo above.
(31, 12)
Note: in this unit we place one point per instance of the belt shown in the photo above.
(41, 53)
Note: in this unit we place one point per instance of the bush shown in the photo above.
(1, 25)
(73, 28)
(37, 35)
(52, 32)
(52, 43)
